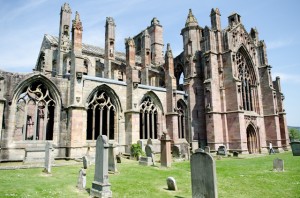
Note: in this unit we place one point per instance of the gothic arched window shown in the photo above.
(248, 80)
(35, 113)
(148, 119)
(100, 117)
(181, 120)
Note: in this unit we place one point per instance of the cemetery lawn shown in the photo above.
(247, 176)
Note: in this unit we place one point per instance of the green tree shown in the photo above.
(294, 134)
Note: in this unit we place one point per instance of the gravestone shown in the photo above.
(85, 162)
(175, 152)
(119, 158)
(207, 149)
(149, 141)
(81, 179)
(171, 183)
(149, 153)
(112, 163)
(145, 161)
(141, 143)
(48, 157)
(235, 154)
(222, 151)
(185, 150)
(203, 175)
(100, 185)
(278, 165)
(295, 145)
(165, 150)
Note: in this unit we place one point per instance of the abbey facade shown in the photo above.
(218, 91)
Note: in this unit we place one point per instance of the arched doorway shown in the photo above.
(252, 142)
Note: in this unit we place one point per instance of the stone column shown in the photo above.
(165, 150)
(100, 185)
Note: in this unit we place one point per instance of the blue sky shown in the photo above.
(24, 22)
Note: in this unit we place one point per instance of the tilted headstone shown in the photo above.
(81, 179)
(100, 185)
(165, 150)
(175, 152)
(112, 163)
(278, 165)
(207, 149)
(85, 162)
(222, 150)
(203, 175)
(48, 157)
(149, 152)
(171, 183)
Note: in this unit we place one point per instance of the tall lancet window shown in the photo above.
(148, 119)
(101, 117)
(248, 80)
(35, 113)
(181, 120)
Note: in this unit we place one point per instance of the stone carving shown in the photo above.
(81, 179)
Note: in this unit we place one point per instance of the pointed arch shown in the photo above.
(36, 105)
(155, 99)
(103, 106)
(249, 80)
(181, 109)
(252, 139)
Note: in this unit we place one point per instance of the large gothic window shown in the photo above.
(35, 113)
(181, 120)
(148, 119)
(101, 116)
(248, 83)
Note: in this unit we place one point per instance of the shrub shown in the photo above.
(136, 150)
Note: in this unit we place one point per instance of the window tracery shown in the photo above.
(35, 113)
(101, 116)
(148, 119)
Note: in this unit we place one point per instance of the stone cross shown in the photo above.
(203, 175)
(112, 163)
(165, 150)
(149, 152)
(171, 183)
(81, 179)
(48, 157)
(85, 162)
(100, 185)
(278, 165)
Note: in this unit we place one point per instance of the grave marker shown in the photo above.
(100, 185)
(278, 165)
(81, 179)
(171, 183)
(203, 175)
(165, 150)
(112, 164)
(48, 157)
(149, 152)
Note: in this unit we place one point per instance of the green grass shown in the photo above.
(247, 177)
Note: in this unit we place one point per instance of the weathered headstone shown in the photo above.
(295, 145)
(203, 175)
(119, 158)
(48, 157)
(81, 179)
(149, 141)
(149, 152)
(85, 162)
(145, 161)
(278, 165)
(222, 151)
(141, 143)
(185, 151)
(112, 163)
(100, 185)
(207, 149)
(235, 154)
(165, 150)
(171, 183)
(175, 152)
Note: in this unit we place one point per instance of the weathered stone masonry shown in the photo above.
(218, 91)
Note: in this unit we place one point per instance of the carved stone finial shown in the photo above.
(191, 20)
(169, 53)
(66, 8)
(110, 20)
(129, 42)
(154, 21)
(215, 11)
(77, 23)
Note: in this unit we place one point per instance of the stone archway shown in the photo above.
(252, 139)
